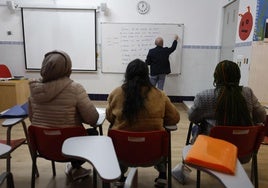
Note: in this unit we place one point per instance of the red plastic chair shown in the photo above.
(4, 71)
(46, 142)
(247, 139)
(141, 149)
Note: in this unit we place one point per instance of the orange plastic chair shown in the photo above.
(4, 71)
(247, 139)
(141, 149)
(46, 142)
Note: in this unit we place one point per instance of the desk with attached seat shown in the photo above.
(9, 123)
(6, 175)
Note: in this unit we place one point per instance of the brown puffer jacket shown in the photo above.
(61, 102)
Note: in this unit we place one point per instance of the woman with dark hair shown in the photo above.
(231, 106)
(138, 106)
(227, 104)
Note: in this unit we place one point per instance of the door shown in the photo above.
(229, 31)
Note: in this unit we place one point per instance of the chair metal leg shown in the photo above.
(106, 185)
(169, 160)
(198, 173)
(33, 172)
(254, 170)
(94, 178)
(101, 130)
(53, 168)
(8, 156)
(10, 181)
(29, 145)
(189, 133)
(8, 177)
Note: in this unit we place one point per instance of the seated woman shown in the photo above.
(227, 104)
(138, 106)
(56, 100)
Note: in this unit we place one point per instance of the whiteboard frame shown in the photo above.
(78, 65)
(179, 47)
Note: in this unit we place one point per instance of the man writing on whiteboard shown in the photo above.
(158, 60)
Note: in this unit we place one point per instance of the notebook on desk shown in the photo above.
(16, 111)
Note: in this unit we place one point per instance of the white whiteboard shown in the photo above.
(124, 42)
(70, 30)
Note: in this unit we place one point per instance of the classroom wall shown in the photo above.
(201, 41)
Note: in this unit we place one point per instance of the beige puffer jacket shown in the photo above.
(61, 102)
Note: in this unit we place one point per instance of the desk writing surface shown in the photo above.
(15, 111)
(97, 150)
(13, 92)
(4, 149)
(11, 121)
(240, 179)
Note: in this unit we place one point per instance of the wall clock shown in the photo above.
(143, 7)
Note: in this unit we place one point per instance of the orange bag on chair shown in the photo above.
(214, 154)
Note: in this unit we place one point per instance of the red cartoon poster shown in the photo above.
(245, 25)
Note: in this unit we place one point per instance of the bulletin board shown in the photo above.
(124, 42)
(261, 16)
(67, 29)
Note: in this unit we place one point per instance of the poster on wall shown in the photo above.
(245, 25)
(261, 16)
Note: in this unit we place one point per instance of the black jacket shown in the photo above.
(158, 59)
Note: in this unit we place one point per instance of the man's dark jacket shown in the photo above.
(158, 59)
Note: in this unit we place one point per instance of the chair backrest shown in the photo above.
(246, 138)
(47, 142)
(4, 71)
(140, 148)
